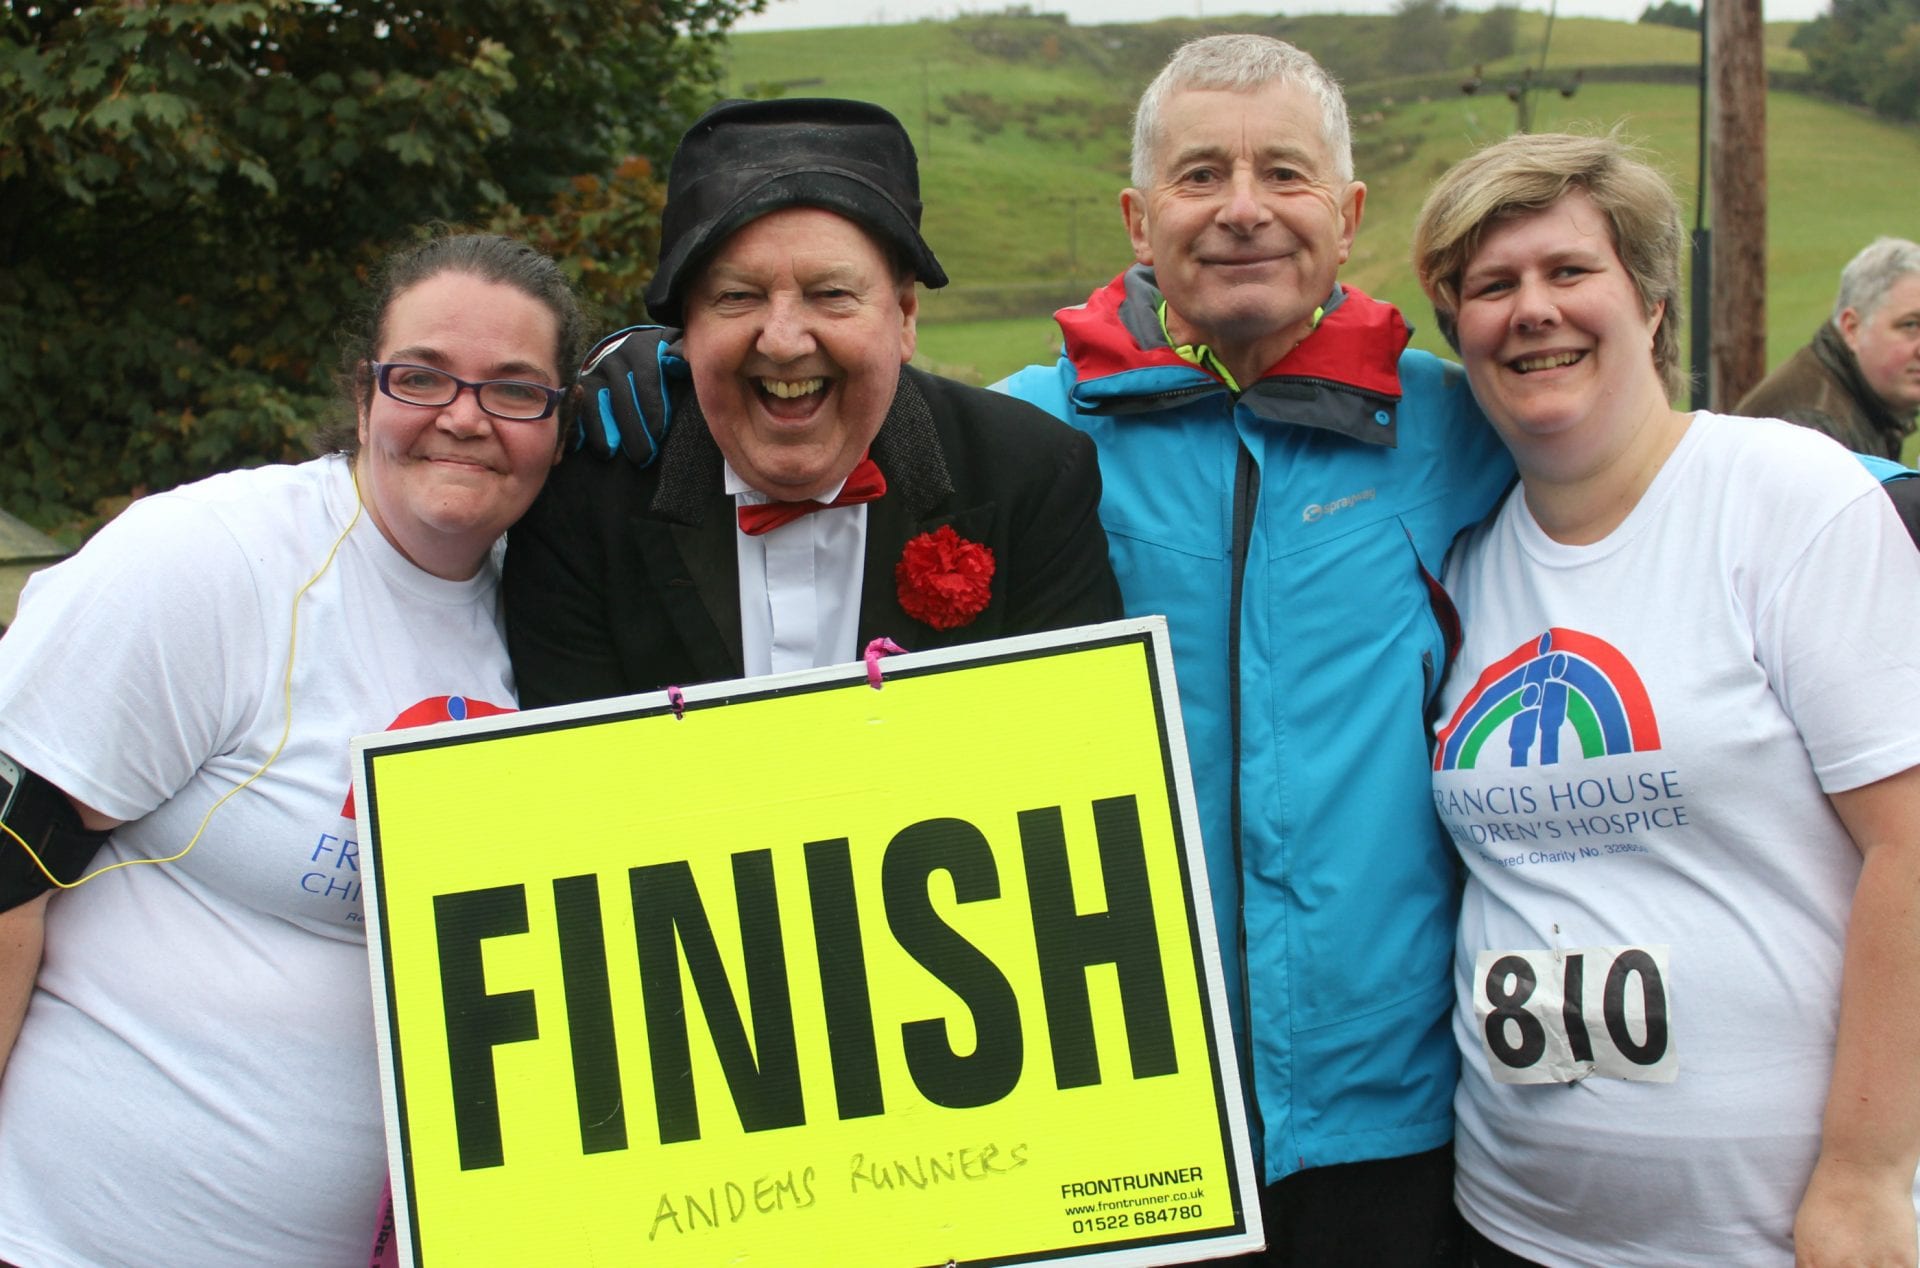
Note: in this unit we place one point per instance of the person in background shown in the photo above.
(192, 1075)
(1282, 479)
(812, 492)
(1858, 378)
(1680, 760)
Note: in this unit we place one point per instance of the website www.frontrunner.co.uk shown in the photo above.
(1146, 1198)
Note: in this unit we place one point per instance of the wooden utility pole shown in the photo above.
(1737, 161)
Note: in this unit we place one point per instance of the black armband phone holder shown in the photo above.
(40, 815)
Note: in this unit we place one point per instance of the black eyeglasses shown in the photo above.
(513, 399)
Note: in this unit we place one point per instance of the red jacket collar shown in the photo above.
(1357, 344)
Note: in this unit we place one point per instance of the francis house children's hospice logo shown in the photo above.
(1510, 762)
(1562, 681)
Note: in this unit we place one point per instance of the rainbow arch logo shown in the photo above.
(1562, 682)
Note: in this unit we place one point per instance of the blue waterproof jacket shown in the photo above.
(1291, 535)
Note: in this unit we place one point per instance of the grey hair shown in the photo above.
(1871, 274)
(1240, 63)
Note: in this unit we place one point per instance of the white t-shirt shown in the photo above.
(1632, 758)
(195, 1083)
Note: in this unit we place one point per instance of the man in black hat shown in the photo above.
(812, 491)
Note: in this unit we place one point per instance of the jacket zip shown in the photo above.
(1246, 498)
(1334, 385)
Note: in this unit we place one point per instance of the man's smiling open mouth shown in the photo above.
(791, 389)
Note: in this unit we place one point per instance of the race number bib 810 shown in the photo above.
(1566, 1014)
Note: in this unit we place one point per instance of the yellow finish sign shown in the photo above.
(795, 971)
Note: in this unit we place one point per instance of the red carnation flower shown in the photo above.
(944, 580)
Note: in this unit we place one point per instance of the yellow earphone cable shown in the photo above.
(286, 727)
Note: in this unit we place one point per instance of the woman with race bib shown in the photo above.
(1679, 755)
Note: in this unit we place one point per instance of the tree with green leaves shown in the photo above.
(1672, 13)
(1867, 52)
(1420, 37)
(1496, 34)
(190, 193)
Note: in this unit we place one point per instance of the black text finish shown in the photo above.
(669, 919)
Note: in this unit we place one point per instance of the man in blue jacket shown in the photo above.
(1282, 479)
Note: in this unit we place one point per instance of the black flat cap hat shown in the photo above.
(743, 159)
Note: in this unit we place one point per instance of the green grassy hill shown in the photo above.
(1022, 125)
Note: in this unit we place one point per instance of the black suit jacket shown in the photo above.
(622, 579)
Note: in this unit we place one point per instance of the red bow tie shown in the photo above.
(864, 485)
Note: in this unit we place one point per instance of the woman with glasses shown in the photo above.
(1678, 755)
(192, 1072)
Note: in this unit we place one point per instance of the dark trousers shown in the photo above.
(1483, 1252)
(1389, 1213)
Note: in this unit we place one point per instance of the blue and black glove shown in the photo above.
(628, 380)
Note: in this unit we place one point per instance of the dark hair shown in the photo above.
(487, 256)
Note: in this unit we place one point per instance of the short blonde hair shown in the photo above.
(1529, 173)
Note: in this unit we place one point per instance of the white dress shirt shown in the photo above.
(800, 584)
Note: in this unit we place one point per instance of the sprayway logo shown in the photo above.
(1319, 510)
